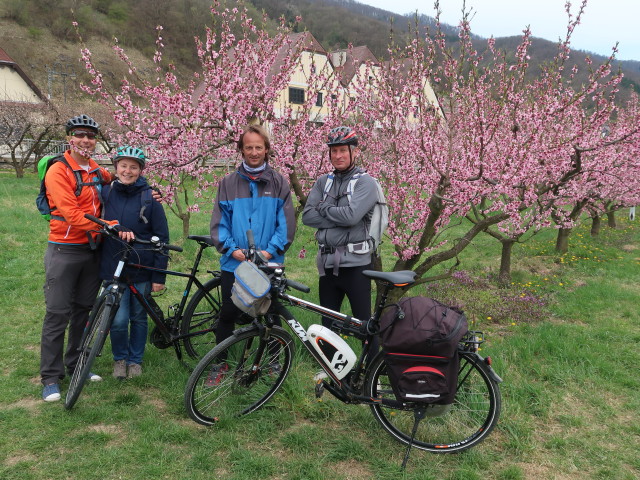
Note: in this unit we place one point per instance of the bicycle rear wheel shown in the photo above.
(201, 315)
(95, 334)
(239, 375)
(445, 429)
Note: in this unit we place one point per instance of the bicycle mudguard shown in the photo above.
(483, 364)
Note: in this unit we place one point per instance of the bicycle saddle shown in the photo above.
(399, 279)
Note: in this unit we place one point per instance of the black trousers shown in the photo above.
(350, 283)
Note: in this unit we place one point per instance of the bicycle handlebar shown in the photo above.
(298, 286)
(253, 255)
(112, 231)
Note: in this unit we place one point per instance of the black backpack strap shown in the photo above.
(80, 183)
(145, 200)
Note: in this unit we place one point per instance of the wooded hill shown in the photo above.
(38, 34)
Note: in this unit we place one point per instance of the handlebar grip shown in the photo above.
(251, 241)
(175, 248)
(298, 286)
(97, 220)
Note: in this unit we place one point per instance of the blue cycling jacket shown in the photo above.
(262, 204)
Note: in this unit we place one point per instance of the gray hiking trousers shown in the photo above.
(70, 288)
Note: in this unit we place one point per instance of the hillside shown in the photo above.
(43, 42)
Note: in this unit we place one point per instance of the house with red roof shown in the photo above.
(15, 84)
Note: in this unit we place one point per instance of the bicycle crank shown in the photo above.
(157, 339)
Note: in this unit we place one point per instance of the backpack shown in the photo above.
(420, 345)
(380, 215)
(145, 200)
(42, 203)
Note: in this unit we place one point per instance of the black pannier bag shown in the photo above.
(420, 339)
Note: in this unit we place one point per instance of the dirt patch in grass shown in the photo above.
(352, 470)
(22, 458)
(153, 399)
(110, 429)
(537, 471)
(538, 265)
(629, 248)
(28, 403)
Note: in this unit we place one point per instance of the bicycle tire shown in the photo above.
(470, 419)
(248, 383)
(202, 313)
(94, 338)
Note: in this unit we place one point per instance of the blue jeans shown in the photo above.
(129, 328)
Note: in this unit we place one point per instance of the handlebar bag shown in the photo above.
(250, 291)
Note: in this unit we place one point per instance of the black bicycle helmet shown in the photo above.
(130, 152)
(342, 136)
(82, 121)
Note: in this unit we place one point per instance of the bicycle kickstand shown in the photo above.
(418, 414)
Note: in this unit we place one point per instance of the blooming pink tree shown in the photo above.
(494, 149)
(189, 131)
(609, 175)
(500, 152)
(556, 130)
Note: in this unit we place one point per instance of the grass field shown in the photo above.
(565, 338)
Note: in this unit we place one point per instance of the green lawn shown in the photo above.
(565, 338)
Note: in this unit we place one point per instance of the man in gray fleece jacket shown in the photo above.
(341, 211)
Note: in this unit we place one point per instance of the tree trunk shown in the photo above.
(562, 242)
(376, 264)
(595, 225)
(185, 217)
(611, 219)
(504, 277)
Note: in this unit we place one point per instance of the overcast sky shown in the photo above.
(604, 22)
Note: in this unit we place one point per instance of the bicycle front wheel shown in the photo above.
(239, 375)
(95, 334)
(201, 318)
(445, 429)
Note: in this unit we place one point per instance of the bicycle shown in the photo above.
(243, 372)
(191, 324)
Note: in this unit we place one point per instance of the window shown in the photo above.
(296, 95)
(319, 99)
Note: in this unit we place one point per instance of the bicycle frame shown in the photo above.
(345, 389)
(169, 333)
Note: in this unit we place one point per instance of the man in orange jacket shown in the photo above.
(71, 265)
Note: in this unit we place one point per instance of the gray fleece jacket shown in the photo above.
(340, 222)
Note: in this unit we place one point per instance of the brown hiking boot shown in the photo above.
(120, 369)
(134, 370)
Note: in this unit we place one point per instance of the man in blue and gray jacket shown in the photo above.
(254, 197)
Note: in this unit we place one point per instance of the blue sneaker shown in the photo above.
(51, 392)
(94, 377)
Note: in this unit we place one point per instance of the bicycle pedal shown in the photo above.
(319, 390)
(321, 375)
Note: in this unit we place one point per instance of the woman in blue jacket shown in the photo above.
(128, 199)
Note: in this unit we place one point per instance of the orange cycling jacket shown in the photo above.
(61, 186)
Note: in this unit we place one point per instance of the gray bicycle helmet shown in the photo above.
(82, 121)
(342, 136)
(130, 152)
